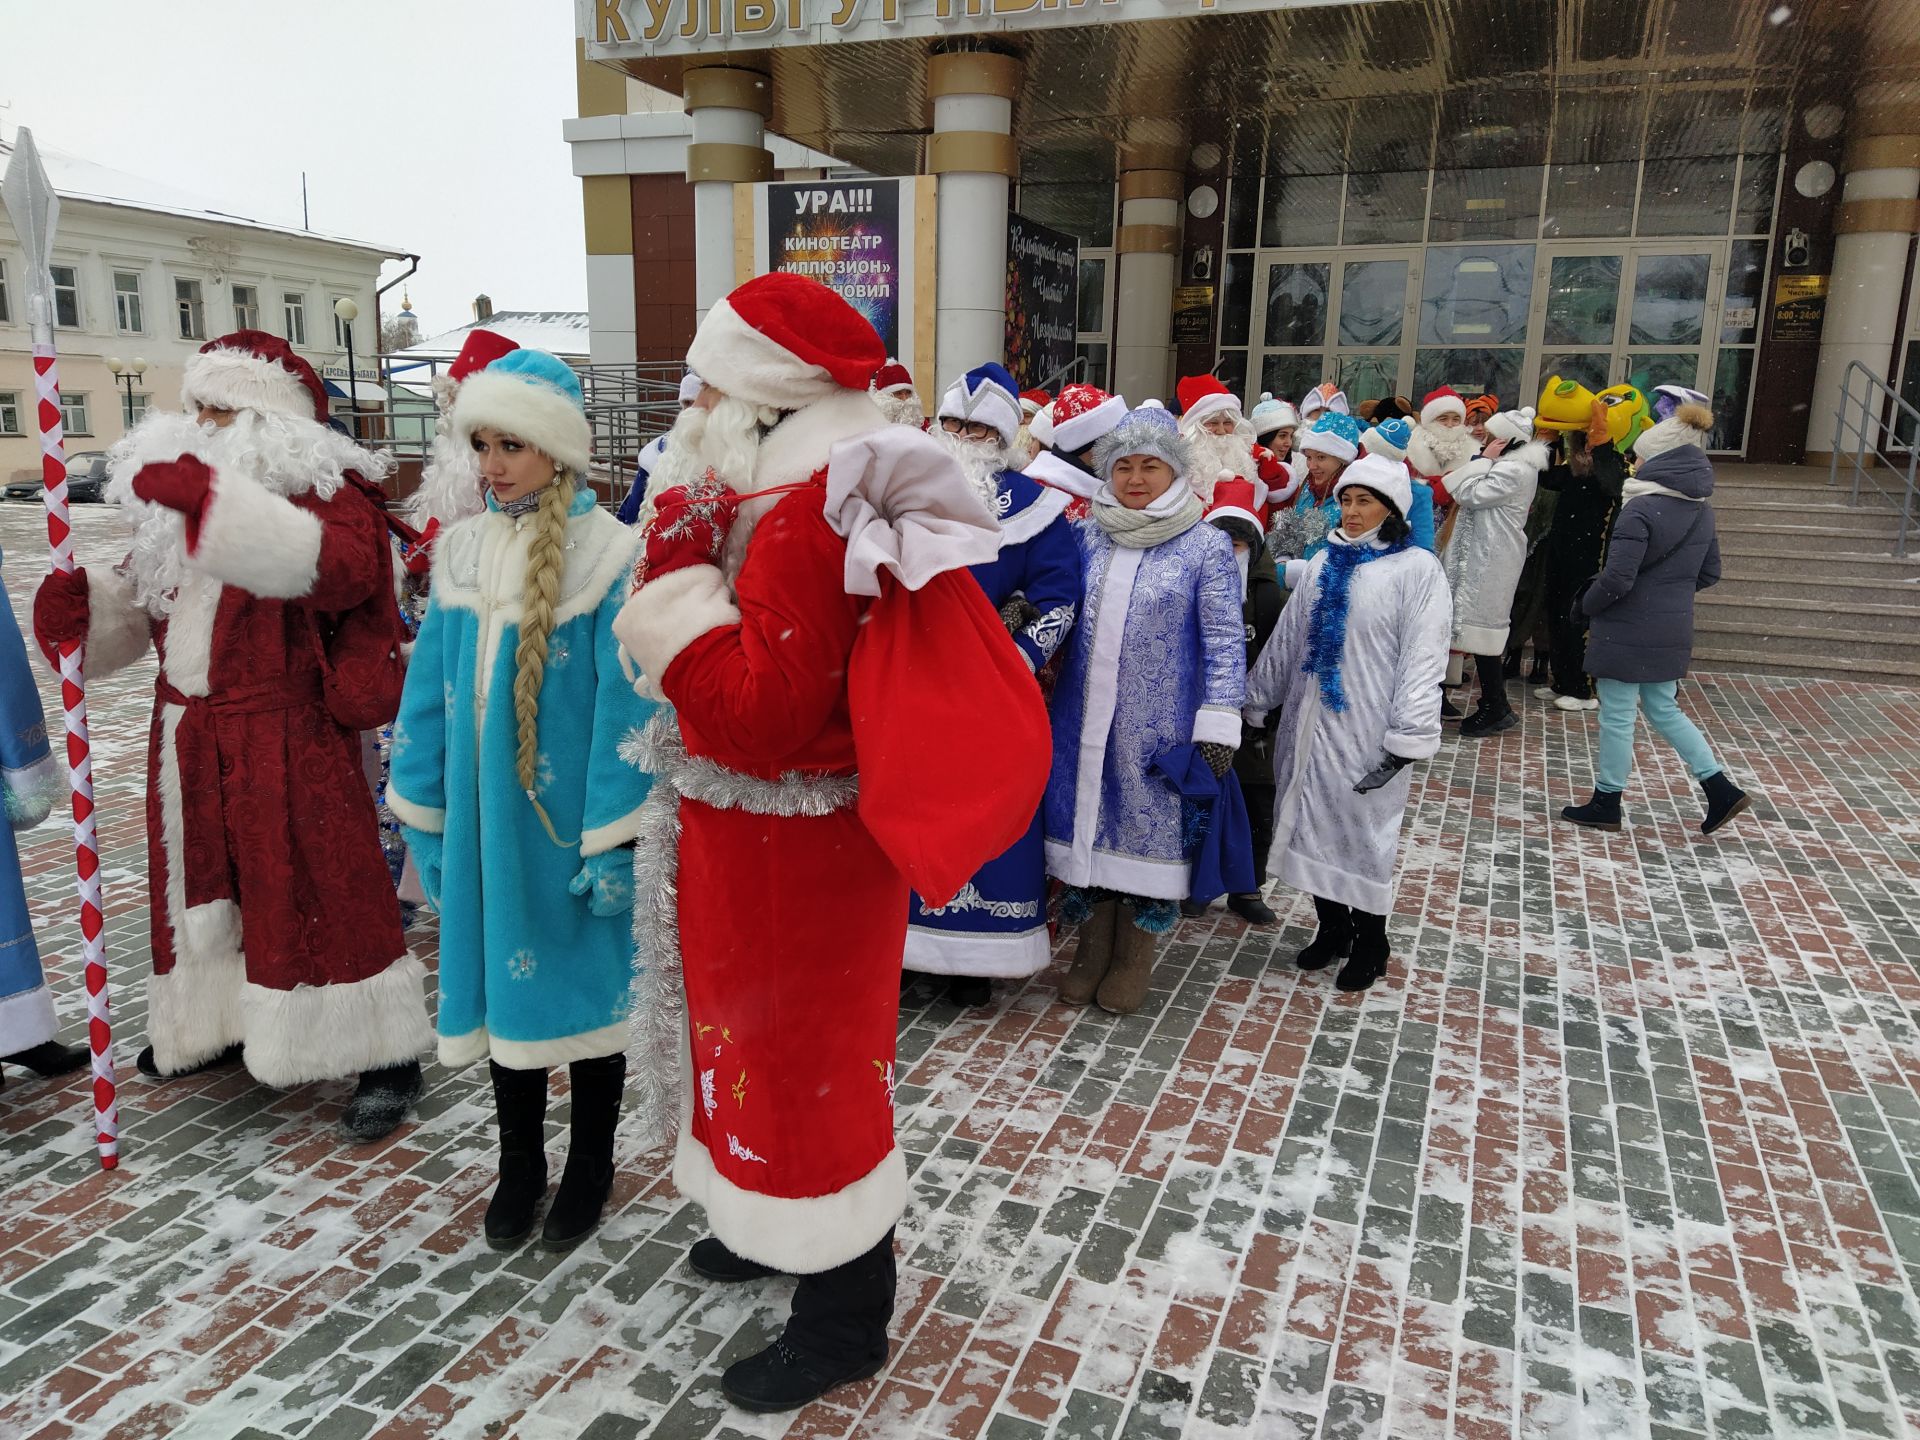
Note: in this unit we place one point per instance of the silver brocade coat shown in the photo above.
(1327, 840)
(1489, 545)
(1158, 659)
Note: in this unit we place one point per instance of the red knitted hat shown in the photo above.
(786, 341)
(1236, 499)
(481, 349)
(252, 370)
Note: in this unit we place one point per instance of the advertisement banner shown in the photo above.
(1043, 301)
(855, 237)
(1799, 307)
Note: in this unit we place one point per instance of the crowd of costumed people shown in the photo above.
(841, 695)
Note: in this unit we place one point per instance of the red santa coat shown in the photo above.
(799, 836)
(274, 921)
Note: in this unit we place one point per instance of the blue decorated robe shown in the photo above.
(997, 925)
(528, 974)
(30, 779)
(1157, 659)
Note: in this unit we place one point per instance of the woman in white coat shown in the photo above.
(1356, 662)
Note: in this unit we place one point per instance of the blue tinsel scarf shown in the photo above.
(1327, 626)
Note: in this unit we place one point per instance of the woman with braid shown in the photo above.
(517, 806)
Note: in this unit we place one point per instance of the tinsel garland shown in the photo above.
(1296, 530)
(1327, 626)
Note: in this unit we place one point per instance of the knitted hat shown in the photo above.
(690, 387)
(1689, 424)
(1201, 396)
(893, 378)
(1273, 414)
(1444, 401)
(1334, 434)
(1324, 396)
(1082, 414)
(1235, 499)
(252, 370)
(787, 341)
(1389, 438)
(1149, 430)
(1386, 478)
(985, 393)
(1516, 427)
(1031, 402)
(479, 350)
(534, 397)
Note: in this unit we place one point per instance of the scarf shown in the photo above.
(1635, 487)
(1327, 626)
(1167, 518)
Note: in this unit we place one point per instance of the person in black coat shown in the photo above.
(1639, 613)
(1587, 474)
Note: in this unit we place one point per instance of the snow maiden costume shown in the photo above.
(850, 719)
(519, 809)
(1355, 667)
(1157, 661)
(260, 572)
(997, 925)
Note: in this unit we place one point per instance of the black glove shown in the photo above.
(1018, 613)
(1577, 612)
(1390, 765)
(1218, 757)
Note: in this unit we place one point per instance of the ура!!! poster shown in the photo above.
(846, 235)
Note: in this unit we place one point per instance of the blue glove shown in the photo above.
(429, 858)
(606, 880)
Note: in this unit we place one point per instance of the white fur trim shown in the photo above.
(526, 410)
(1532, 454)
(1047, 508)
(1129, 874)
(1195, 414)
(991, 404)
(197, 1008)
(173, 829)
(1057, 474)
(480, 565)
(26, 1019)
(1077, 433)
(31, 793)
(328, 1032)
(994, 957)
(261, 542)
(732, 356)
(902, 504)
(190, 633)
(1383, 476)
(423, 818)
(1074, 862)
(1216, 725)
(1328, 443)
(667, 615)
(1481, 639)
(456, 1052)
(241, 380)
(1040, 425)
(612, 835)
(118, 626)
(1445, 405)
(800, 1236)
(537, 1054)
(800, 444)
(1234, 512)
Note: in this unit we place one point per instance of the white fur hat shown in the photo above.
(1386, 478)
(534, 397)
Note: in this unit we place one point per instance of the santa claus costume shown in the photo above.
(1224, 447)
(1070, 427)
(260, 573)
(898, 397)
(850, 720)
(647, 465)
(996, 927)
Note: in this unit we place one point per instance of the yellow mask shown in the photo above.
(1564, 405)
(1627, 415)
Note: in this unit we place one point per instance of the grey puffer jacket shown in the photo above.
(1662, 551)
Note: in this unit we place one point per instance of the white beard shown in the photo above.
(1438, 450)
(281, 454)
(981, 462)
(450, 485)
(1213, 453)
(901, 407)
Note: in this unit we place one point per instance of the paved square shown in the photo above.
(1626, 1146)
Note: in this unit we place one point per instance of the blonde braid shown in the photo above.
(546, 558)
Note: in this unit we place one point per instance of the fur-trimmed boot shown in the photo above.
(1131, 975)
(1093, 955)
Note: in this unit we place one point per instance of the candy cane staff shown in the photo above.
(850, 720)
(260, 573)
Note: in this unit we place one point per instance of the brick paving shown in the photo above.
(1627, 1146)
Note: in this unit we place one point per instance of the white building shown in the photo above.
(142, 271)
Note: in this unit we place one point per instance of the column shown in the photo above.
(607, 205)
(1878, 217)
(1147, 245)
(972, 151)
(729, 109)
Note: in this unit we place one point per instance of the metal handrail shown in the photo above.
(1880, 413)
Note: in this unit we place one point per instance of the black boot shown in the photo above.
(1602, 812)
(1494, 714)
(1334, 940)
(381, 1102)
(149, 1066)
(714, 1260)
(837, 1334)
(1252, 909)
(967, 990)
(1724, 801)
(49, 1057)
(520, 1111)
(1370, 951)
(1192, 909)
(588, 1178)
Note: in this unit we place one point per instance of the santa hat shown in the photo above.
(1201, 396)
(1082, 414)
(986, 394)
(1444, 401)
(1667, 400)
(1386, 478)
(534, 397)
(893, 378)
(1235, 499)
(1389, 438)
(252, 370)
(1273, 414)
(1040, 427)
(690, 387)
(1690, 424)
(1482, 408)
(1149, 430)
(479, 350)
(1335, 434)
(1033, 401)
(786, 341)
(1326, 396)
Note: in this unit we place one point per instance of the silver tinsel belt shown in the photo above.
(657, 1004)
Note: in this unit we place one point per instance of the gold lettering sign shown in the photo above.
(658, 12)
(750, 17)
(667, 21)
(609, 23)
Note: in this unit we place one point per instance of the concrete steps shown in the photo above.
(1775, 614)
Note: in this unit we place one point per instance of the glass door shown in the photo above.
(1319, 316)
(1673, 315)
(1612, 313)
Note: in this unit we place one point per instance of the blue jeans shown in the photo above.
(1621, 702)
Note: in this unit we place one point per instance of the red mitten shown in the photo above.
(185, 485)
(419, 555)
(689, 527)
(60, 612)
(1271, 467)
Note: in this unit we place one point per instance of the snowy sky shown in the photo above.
(429, 125)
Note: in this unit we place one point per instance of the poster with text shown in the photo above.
(1043, 285)
(853, 237)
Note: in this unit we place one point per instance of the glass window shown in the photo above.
(1476, 295)
(1588, 367)
(1583, 297)
(137, 407)
(1301, 210)
(342, 331)
(1590, 202)
(1686, 197)
(1470, 371)
(1368, 375)
(1373, 299)
(73, 414)
(1093, 295)
(1486, 204)
(293, 308)
(1291, 375)
(1389, 209)
(1669, 300)
(66, 296)
(246, 307)
(192, 312)
(1909, 392)
(126, 302)
(1753, 207)
(1297, 305)
(1232, 371)
(1663, 368)
(1746, 278)
(1732, 378)
(9, 412)
(1084, 211)
(6, 307)
(1236, 299)
(1094, 372)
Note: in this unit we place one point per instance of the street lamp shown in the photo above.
(128, 374)
(348, 313)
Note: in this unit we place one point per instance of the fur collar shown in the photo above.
(798, 446)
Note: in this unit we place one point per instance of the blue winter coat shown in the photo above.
(528, 974)
(642, 478)
(29, 778)
(1663, 549)
(1420, 516)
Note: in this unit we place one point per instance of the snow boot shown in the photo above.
(1489, 720)
(1724, 801)
(1252, 909)
(49, 1058)
(835, 1335)
(1602, 812)
(1191, 909)
(520, 1111)
(968, 990)
(1093, 955)
(714, 1260)
(1371, 951)
(588, 1178)
(1334, 939)
(382, 1101)
(148, 1065)
(1131, 974)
